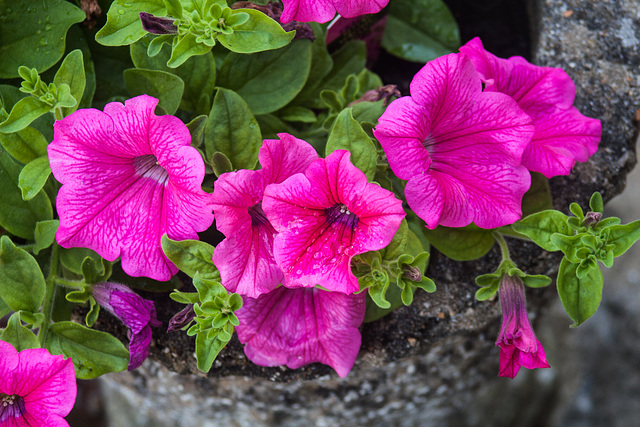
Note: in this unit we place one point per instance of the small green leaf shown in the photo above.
(183, 48)
(269, 80)
(347, 134)
(71, 72)
(461, 244)
(23, 113)
(571, 246)
(577, 211)
(95, 271)
(18, 335)
(232, 130)
(196, 129)
(579, 296)
(487, 292)
(375, 312)
(24, 145)
(536, 281)
(22, 284)
(540, 226)
(191, 256)
(33, 33)
(398, 244)
(94, 353)
(73, 258)
(94, 311)
(17, 216)
(208, 347)
(596, 204)
(168, 88)
(297, 114)
(33, 177)
(45, 234)
(220, 163)
(623, 236)
(259, 33)
(123, 25)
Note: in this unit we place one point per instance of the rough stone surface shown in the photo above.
(421, 364)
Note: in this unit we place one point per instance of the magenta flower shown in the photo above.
(36, 388)
(562, 135)
(326, 216)
(245, 258)
(324, 10)
(134, 312)
(518, 344)
(295, 327)
(128, 177)
(458, 147)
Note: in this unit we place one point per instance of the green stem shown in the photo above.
(57, 114)
(49, 294)
(77, 284)
(504, 248)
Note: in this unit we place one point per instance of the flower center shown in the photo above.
(147, 166)
(11, 406)
(257, 215)
(339, 214)
(428, 141)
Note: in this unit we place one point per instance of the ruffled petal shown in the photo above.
(307, 11)
(281, 158)
(295, 327)
(234, 193)
(351, 8)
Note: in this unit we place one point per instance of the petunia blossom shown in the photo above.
(128, 177)
(295, 327)
(245, 258)
(562, 135)
(134, 312)
(458, 147)
(324, 10)
(326, 216)
(518, 344)
(36, 388)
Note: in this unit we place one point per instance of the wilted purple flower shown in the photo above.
(134, 312)
(518, 344)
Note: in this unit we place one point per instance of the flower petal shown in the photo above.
(281, 158)
(353, 8)
(139, 348)
(301, 326)
(234, 193)
(307, 11)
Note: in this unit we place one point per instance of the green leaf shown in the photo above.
(196, 129)
(17, 216)
(267, 81)
(198, 73)
(45, 234)
(321, 65)
(220, 163)
(71, 72)
(347, 134)
(420, 30)
(297, 114)
(536, 281)
(375, 312)
(24, 145)
(184, 47)
(208, 348)
(22, 284)
(33, 33)
(258, 34)
(579, 296)
(123, 25)
(73, 258)
(191, 256)
(538, 198)
(95, 271)
(398, 244)
(33, 177)
(23, 113)
(94, 353)
(487, 292)
(18, 335)
(623, 236)
(4, 308)
(232, 130)
(540, 226)
(167, 87)
(461, 244)
(596, 203)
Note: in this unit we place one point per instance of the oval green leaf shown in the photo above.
(579, 296)
(22, 284)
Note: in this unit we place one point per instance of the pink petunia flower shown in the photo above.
(458, 147)
(562, 135)
(245, 258)
(36, 388)
(324, 10)
(128, 177)
(295, 327)
(134, 312)
(326, 216)
(518, 344)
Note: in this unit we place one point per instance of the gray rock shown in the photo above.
(423, 364)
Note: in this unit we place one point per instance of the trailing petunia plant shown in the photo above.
(126, 147)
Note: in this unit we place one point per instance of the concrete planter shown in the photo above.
(422, 364)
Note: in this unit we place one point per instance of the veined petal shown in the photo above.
(351, 8)
(301, 326)
(139, 347)
(307, 11)
(246, 262)
(233, 195)
(281, 158)
(9, 361)
(562, 137)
